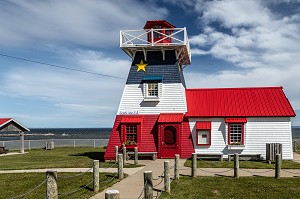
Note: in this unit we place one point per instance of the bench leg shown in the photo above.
(154, 157)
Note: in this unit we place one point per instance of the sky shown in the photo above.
(240, 43)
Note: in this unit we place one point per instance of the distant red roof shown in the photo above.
(172, 117)
(238, 102)
(4, 120)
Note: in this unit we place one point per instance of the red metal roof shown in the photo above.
(203, 125)
(175, 117)
(4, 120)
(132, 119)
(164, 23)
(236, 120)
(238, 102)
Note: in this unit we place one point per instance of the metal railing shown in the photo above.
(35, 144)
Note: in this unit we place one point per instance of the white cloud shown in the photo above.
(89, 23)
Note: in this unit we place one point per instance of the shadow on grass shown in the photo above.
(92, 155)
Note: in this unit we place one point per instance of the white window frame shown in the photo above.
(148, 97)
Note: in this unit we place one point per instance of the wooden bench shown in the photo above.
(3, 150)
(210, 156)
(246, 156)
(153, 154)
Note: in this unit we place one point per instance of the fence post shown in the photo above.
(124, 154)
(29, 147)
(74, 144)
(120, 166)
(277, 166)
(236, 165)
(51, 177)
(94, 143)
(112, 194)
(148, 185)
(116, 153)
(96, 175)
(176, 166)
(294, 146)
(22, 142)
(167, 176)
(194, 165)
(136, 155)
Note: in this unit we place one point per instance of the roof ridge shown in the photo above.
(237, 88)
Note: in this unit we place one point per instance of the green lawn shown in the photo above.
(286, 164)
(227, 187)
(13, 185)
(57, 158)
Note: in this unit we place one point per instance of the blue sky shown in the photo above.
(234, 44)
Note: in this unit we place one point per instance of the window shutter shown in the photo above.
(159, 90)
(145, 90)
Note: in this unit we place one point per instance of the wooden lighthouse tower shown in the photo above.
(153, 104)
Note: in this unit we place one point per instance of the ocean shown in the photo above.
(61, 133)
(83, 133)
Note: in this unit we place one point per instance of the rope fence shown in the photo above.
(29, 192)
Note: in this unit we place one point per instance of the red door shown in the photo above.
(169, 144)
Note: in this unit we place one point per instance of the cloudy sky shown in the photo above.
(241, 43)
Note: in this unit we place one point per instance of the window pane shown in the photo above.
(236, 133)
(131, 133)
(153, 89)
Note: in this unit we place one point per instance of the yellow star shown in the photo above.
(141, 66)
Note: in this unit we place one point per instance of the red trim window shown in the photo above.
(203, 133)
(130, 133)
(236, 130)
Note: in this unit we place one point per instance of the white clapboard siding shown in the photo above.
(258, 132)
(217, 136)
(172, 100)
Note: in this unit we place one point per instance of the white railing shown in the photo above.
(35, 144)
(133, 38)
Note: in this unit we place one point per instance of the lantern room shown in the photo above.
(162, 31)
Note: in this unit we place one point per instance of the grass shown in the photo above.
(227, 187)
(286, 164)
(57, 158)
(16, 184)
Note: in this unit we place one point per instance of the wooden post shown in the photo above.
(116, 153)
(194, 165)
(277, 166)
(51, 192)
(96, 175)
(148, 185)
(176, 167)
(124, 154)
(112, 194)
(22, 142)
(236, 165)
(294, 145)
(135, 155)
(120, 167)
(167, 176)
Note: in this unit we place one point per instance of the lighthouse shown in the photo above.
(161, 117)
(151, 111)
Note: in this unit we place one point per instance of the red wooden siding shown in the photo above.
(238, 102)
(147, 137)
(186, 143)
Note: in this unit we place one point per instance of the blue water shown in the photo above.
(63, 133)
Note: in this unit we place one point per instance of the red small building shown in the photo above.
(159, 115)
